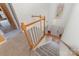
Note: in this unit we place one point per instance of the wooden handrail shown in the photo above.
(23, 25)
(36, 16)
(34, 22)
(24, 29)
(77, 54)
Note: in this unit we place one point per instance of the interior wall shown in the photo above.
(68, 7)
(71, 32)
(65, 15)
(52, 12)
(25, 10)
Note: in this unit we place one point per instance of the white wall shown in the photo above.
(65, 16)
(52, 12)
(67, 12)
(26, 10)
(71, 33)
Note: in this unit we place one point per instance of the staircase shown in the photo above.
(46, 50)
(35, 35)
(47, 47)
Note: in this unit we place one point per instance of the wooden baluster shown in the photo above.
(32, 36)
(35, 35)
(24, 28)
(44, 25)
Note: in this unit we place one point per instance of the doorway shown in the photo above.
(6, 21)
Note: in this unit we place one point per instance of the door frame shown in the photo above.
(8, 15)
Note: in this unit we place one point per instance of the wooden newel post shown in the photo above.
(23, 27)
(44, 23)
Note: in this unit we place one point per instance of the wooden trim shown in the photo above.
(8, 14)
(14, 13)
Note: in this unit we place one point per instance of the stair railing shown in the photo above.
(59, 39)
(77, 54)
(34, 33)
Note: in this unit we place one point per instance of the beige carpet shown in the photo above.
(15, 45)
